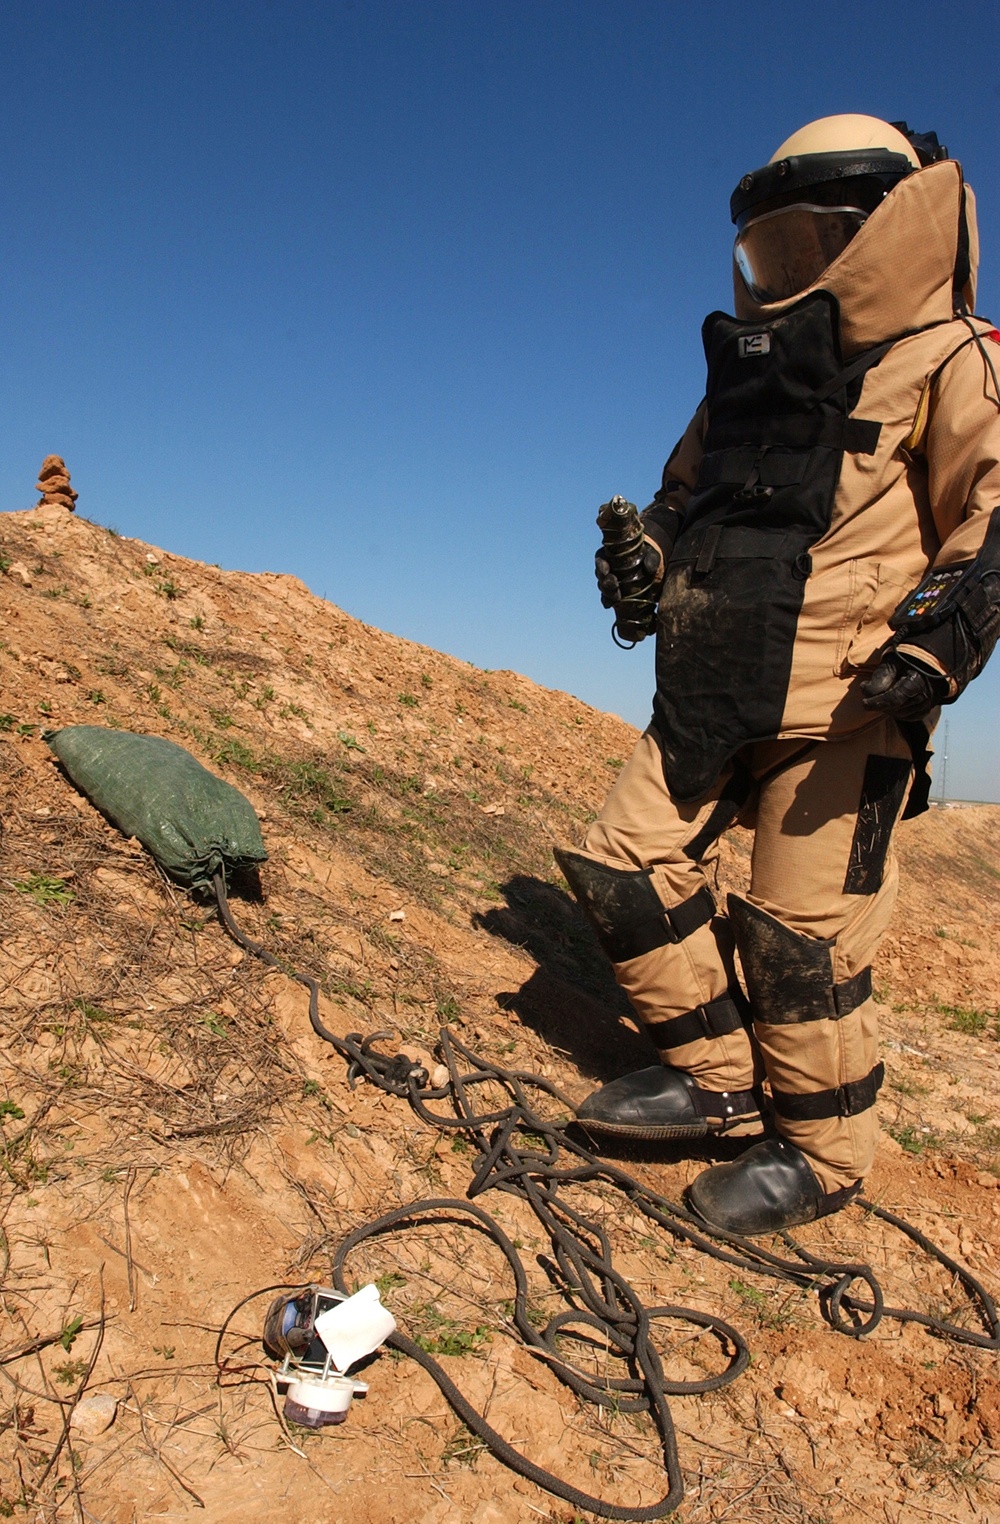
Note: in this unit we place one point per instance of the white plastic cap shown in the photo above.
(355, 1327)
(330, 1396)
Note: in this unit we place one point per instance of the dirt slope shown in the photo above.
(171, 1131)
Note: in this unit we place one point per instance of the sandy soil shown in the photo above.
(174, 1138)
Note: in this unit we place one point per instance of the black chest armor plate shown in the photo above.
(779, 400)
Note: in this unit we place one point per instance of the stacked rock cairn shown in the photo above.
(53, 484)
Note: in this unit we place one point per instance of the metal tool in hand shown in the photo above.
(627, 569)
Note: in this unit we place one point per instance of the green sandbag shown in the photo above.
(192, 822)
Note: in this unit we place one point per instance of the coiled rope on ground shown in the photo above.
(531, 1157)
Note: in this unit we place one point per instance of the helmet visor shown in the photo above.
(781, 253)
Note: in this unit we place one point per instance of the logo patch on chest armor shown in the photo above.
(751, 344)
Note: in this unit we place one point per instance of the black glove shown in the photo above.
(632, 591)
(954, 616)
(630, 565)
(904, 688)
(619, 586)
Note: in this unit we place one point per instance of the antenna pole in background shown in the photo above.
(944, 767)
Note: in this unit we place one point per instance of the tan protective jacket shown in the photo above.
(924, 497)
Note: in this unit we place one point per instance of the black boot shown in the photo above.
(660, 1102)
(769, 1187)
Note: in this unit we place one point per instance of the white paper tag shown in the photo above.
(355, 1327)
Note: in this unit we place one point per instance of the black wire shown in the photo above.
(222, 1368)
(987, 358)
(597, 1295)
(630, 1338)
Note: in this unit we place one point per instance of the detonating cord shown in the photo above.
(985, 354)
(532, 1158)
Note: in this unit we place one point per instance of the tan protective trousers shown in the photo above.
(823, 868)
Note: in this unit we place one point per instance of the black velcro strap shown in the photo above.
(727, 1104)
(858, 436)
(861, 436)
(864, 362)
(979, 606)
(686, 917)
(783, 469)
(851, 993)
(845, 1101)
(740, 543)
(716, 1018)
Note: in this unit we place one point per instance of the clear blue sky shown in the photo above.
(392, 294)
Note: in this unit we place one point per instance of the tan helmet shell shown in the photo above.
(841, 134)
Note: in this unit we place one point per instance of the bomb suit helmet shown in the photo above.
(796, 214)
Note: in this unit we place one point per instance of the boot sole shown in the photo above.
(662, 1134)
(645, 1134)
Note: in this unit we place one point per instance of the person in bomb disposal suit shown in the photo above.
(821, 566)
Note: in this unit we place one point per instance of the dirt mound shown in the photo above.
(174, 1137)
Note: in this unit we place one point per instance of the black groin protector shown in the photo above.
(779, 400)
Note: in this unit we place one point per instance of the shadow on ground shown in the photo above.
(571, 1000)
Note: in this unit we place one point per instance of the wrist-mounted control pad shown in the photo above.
(933, 601)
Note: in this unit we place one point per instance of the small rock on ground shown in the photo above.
(92, 1415)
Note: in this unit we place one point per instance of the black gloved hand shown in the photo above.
(905, 688)
(616, 586)
(633, 592)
